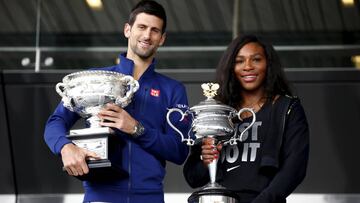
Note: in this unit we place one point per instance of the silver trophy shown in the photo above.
(212, 119)
(86, 93)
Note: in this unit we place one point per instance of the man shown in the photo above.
(148, 141)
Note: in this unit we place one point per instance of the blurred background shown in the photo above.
(43, 40)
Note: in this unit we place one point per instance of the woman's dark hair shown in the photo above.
(148, 7)
(275, 82)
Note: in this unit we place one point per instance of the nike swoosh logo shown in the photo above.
(232, 168)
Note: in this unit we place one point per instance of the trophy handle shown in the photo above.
(233, 140)
(189, 141)
(60, 89)
(133, 87)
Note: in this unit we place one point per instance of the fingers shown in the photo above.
(76, 168)
(74, 161)
(115, 117)
(90, 154)
(207, 159)
(108, 115)
(68, 170)
(81, 168)
(112, 107)
(107, 119)
(208, 141)
(209, 151)
(111, 116)
(110, 112)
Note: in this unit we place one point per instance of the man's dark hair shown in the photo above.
(149, 7)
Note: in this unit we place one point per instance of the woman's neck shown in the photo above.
(253, 100)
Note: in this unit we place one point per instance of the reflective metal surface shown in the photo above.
(211, 118)
(86, 92)
(216, 199)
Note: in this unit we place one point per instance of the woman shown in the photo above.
(271, 160)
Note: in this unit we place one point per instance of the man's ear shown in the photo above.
(127, 30)
(162, 40)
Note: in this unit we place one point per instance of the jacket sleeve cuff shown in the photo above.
(59, 145)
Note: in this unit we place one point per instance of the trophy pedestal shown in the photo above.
(104, 144)
(213, 194)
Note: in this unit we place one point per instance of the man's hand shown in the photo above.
(74, 159)
(209, 151)
(118, 118)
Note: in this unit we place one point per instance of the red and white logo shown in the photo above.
(154, 93)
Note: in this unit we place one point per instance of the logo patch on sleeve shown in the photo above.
(155, 93)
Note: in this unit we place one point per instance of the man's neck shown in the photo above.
(140, 65)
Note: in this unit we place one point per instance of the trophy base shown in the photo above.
(105, 145)
(102, 171)
(213, 193)
(90, 131)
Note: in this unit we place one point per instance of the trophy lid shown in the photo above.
(210, 104)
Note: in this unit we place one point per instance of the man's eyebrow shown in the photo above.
(141, 24)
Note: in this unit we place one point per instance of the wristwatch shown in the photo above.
(138, 130)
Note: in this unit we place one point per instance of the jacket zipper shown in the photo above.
(129, 184)
(143, 101)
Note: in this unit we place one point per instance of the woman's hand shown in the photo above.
(209, 151)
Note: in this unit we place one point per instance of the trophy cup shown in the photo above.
(86, 92)
(213, 119)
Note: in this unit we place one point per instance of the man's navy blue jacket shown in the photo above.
(144, 157)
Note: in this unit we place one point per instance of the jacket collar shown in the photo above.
(126, 66)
